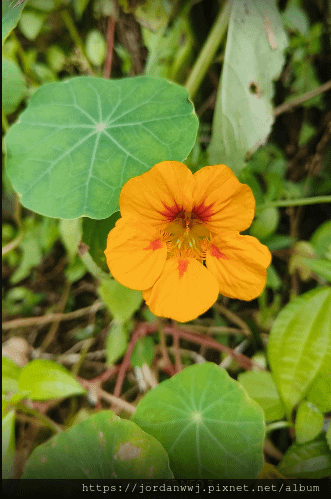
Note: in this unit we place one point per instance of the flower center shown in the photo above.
(187, 236)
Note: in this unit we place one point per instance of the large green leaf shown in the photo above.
(206, 422)
(78, 142)
(299, 345)
(11, 12)
(253, 58)
(102, 446)
(44, 379)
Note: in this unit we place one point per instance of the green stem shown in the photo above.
(208, 51)
(277, 425)
(41, 417)
(93, 268)
(75, 36)
(282, 203)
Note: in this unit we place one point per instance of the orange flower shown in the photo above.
(178, 240)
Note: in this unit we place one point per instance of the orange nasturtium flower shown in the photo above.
(178, 240)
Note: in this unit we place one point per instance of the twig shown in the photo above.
(233, 318)
(287, 106)
(214, 329)
(110, 45)
(140, 331)
(46, 319)
(244, 361)
(116, 400)
(54, 327)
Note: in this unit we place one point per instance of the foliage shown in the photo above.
(96, 92)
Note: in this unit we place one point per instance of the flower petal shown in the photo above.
(135, 253)
(239, 263)
(221, 201)
(184, 290)
(158, 195)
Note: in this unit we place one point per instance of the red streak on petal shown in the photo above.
(171, 212)
(154, 245)
(182, 267)
(214, 251)
(203, 212)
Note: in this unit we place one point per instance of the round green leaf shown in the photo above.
(299, 345)
(44, 380)
(310, 460)
(13, 86)
(260, 386)
(206, 422)
(101, 446)
(78, 142)
(308, 422)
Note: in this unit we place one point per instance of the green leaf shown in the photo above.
(273, 280)
(11, 12)
(95, 47)
(116, 342)
(308, 422)
(13, 86)
(101, 446)
(320, 266)
(10, 375)
(31, 23)
(44, 380)
(260, 386)
(8, 444)
(253, 58)
(299, 345)
(121, 301)
(31, 257)
(143, 352)
(265, 223)
(328, 437)
(71, 232)
(78, 142)
(320, 392)
(206, 422)
(310, 460)
(321, 240)
(95, 233)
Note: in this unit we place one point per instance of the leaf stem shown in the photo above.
(283, 203)
(208, 51)
(75, 36)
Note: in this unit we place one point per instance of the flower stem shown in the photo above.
(208, 51)
(282, 203)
